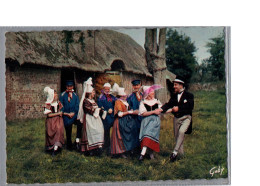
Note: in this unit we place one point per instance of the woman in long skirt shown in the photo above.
(54, 128)
(92, 122)
(150, 125)
(124, 136)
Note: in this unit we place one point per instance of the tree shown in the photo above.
(155, 57)
(216, 62)
(202, 72)
(180, 58)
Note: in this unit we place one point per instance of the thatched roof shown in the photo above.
(87, 50)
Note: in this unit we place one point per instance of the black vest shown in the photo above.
(150, 108)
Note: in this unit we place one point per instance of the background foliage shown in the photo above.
(181, 60)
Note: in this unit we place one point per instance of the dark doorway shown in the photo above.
(66, 74)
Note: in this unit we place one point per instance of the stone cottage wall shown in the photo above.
(24, 90)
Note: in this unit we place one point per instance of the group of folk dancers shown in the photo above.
(134, 119)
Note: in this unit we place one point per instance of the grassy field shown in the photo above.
(204, 149)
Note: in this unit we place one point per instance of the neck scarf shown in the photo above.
(138, 96)
(109, 98)
(69, 94)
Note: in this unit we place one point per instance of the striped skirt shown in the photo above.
(117, 144)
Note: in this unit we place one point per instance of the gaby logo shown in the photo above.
(216, 170)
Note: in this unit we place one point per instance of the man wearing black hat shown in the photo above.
(134, 100)
(70, 102)
(181, 105)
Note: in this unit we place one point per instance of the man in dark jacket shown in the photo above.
(181, 105)
(70, 102)
(134, 100)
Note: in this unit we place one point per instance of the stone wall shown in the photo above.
(24, 90)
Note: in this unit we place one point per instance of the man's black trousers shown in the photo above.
(69, 131)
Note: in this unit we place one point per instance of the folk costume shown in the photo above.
(106, 101)
(92, 122)
(82, 118)
(70, 102)
(150, 126)
(182, 119)
(54, 129)
(125, 131)
(134, 100)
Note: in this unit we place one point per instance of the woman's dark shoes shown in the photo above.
(54, 153)
(173, 157)
(141, 158)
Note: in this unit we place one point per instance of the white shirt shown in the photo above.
(152, 102)
(179, 95)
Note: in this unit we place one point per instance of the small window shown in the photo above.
(117, 65)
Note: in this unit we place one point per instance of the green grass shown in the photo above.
(204, 149)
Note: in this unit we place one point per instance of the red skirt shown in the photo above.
(147, 142)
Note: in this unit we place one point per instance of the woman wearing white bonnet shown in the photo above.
(92, 123)
(82, 118)
(106, 102)
(124, 136)
(54, 127)
(150, 125)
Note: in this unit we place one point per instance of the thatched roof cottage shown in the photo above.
(38, 59)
